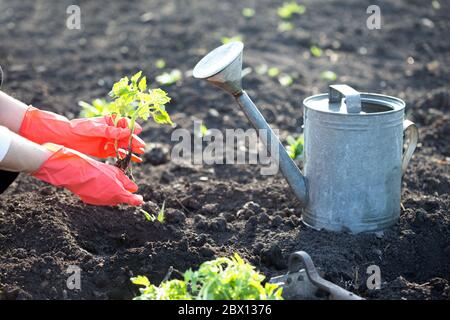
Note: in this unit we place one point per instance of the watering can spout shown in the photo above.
(223, 68)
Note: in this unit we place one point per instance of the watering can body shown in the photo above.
(353, 159)
(353, 163)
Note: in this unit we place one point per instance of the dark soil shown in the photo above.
(217, 210)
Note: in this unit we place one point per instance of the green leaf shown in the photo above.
(161, 214)
(288, 9)
(160, 64)
(141, 281)
(295, 147)
(328, 75)
(262, 69)
(147, 215)
(286, 80)
(226, 40)
(273, 72)
(285, 26)
(143, 84)
(135, 78)
(169, 78)
(248, 12)
(316, 51)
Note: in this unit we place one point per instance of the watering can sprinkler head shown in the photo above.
(223, 67)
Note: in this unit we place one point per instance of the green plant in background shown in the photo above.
(286, 80)
(273, 72)
(316, 51)
(328, 75)
(226, 40)
(248, 12)
(169, 78)
(203, 130)
(160, 64)
(132, 100)
(219, 279)
(98, 108)
(295, 146)
(161, 216)
(288, 9)
(285, 26)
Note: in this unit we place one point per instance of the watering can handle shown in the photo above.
(352, 97)
(412, 133)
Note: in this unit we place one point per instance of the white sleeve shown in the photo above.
(5, 141)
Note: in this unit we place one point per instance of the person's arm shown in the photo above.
(12, 112)
(93, 181)
(22, 155)
(94, 136)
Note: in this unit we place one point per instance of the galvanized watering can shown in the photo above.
(353, 151)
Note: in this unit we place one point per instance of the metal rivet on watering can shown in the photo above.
(353, 160)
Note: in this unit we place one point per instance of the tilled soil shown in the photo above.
(217, 210)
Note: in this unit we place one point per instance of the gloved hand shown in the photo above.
(94, 182)
(93, 136)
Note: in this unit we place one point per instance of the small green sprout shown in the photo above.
(315, 51)
(328, 75)
(285, 26)
(273, 72)
(226, 40)
(161, 217)
(435, 4)
(169, 78)
(219, 279)
(248, 12)
(288, 9)
(160, 64)
(295, 147)
(286, 80)
(203, 130)
(98, 108)
(262, 69)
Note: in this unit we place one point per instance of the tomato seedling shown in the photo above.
(132, 100)
(219, 279)
(295, 147)
(169, 78)
(288, 9)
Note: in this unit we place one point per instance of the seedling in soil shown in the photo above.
(435, 4)
(248, 12)
(169, 78)
(160, 64)
(328, 76)
(286, 80)
(161, 217)
(226, 40)
(219, 279)
(273, 72)
(285, 26)
(288, 9)
(262, 69)
(98, 108)
(132, 101)
(316, 51)
(295, 147)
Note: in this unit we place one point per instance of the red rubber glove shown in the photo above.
(93, 136)
(94, 182)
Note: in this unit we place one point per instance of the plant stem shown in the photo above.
(125, 162)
